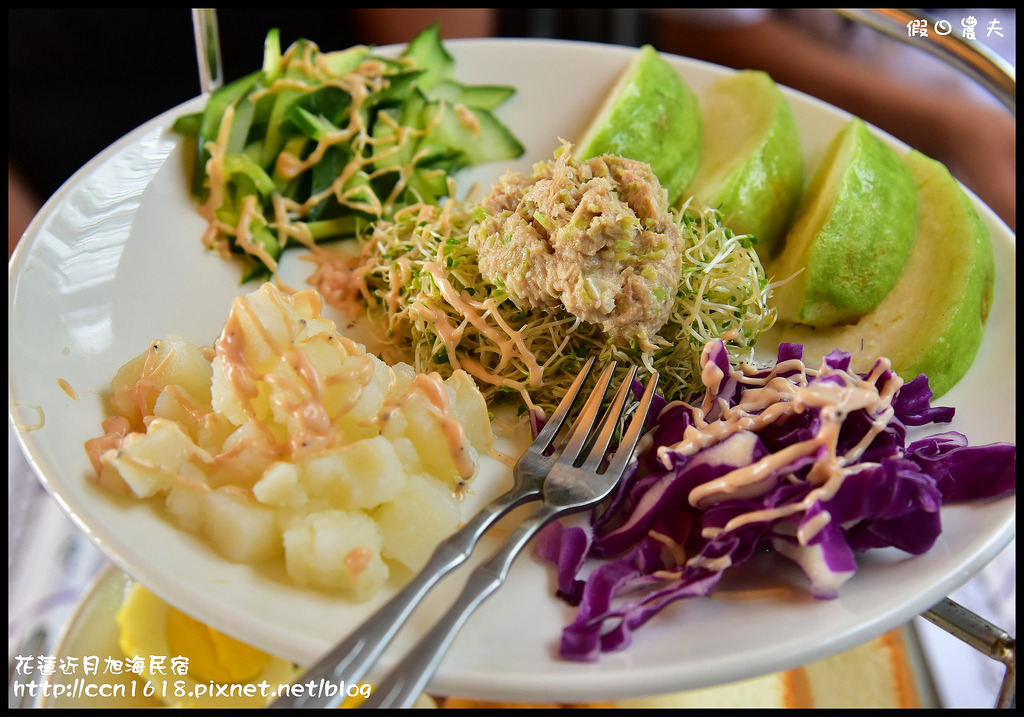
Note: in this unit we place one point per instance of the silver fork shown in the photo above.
(574, 482)
(350, 660)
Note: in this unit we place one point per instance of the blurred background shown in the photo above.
(79, 79)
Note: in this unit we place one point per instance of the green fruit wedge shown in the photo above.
(751, 160)
(852, 233)
(933, 319)
(653, 116)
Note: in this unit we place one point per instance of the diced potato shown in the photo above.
(403, 375)
(246, 453)
(186, 502)
(394, 422)
(240, 528)
(109, 478)
(175, 404)
(296, 411)
(360, 396)
(440, 441)
(265, 322)
(361, 475)
(170, 361)
(325, 352)
(260, 326)
(237, 394)
(148, 462)
(419, 517)
(470, 408)
(279, 486)
(336, 550)
(214, 430)
(289, 438)
(407, 453)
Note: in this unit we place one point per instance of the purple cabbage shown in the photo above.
(648, 542)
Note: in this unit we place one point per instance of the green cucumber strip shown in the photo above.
(216, 105)
(331, 103)
(314, 126)
(188, 125)
(482, 140)
(485, 97)
(337, 228)
(430, 56)
(323, 174)
(342, 62)
(400, 89)
(241, 123)
(275, 136)
(408, 114)
(243, 164)
(272, 55)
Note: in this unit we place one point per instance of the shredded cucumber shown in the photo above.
(319, 146)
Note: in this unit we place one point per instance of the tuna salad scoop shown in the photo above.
(595, 237)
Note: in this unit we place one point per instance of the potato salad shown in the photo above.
(286, 439)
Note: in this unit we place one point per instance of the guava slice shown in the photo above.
(933, 319)
(751, 160)
(650, 115)
(852, 234)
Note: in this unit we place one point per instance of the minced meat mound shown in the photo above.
(595, 237)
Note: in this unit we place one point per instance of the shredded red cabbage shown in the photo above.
(811, 464)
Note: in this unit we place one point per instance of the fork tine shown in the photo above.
(599, 447)
(554, 423)
(624, 453)
(566, 488)
(584, 424)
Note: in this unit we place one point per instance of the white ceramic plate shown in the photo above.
(92, 632)
(114, 260)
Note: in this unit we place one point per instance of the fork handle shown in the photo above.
(406, 682)
(351, 659)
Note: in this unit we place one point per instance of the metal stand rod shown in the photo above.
(973, 59)
(211, 71)
(984, 637)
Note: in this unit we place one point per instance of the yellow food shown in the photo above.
(184, 661)
(288, 440)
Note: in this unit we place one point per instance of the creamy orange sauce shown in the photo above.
(509, 341)
(215, 170)
(145, 390)
(244, 233)
(770, 399)
(115, 428)
(357, 560)
(66, 388)
(675, 550)
(432, 385)
(467, 119)
(38, 410)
